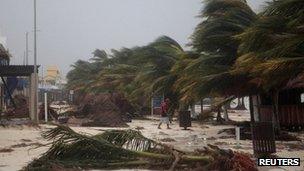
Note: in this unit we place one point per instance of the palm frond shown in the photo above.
(116, 148)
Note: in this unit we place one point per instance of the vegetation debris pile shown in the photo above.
(103, 110)
(20, 111)
(127, 149)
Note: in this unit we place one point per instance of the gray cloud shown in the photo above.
(72, 29)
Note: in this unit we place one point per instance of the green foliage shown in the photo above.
(214, 39)
(111, 149)
(272, 49)
(138, 72)
(221, 21)
(235, 52)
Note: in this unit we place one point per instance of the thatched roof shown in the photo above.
(297, 82)
(243, 87)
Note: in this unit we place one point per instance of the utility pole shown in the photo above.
(35, 67)
(26, 48)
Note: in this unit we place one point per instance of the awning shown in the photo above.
(16, 70)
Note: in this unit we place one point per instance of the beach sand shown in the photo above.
(22, 140)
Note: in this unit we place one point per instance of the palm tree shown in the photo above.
(156, 76)
(214, 39)
(118, 76)
(80, 75)
(272, 50)
(221, 21)
(162, 54)
(83, 74)
(138, 72)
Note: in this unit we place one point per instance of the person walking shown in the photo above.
(164, 113)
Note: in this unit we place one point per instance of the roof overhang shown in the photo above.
(16, 70)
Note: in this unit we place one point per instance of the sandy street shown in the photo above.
(20, 141)
(17, 143)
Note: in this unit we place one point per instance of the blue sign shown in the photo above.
(157, 101)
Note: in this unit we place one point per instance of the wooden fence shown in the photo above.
(289, 115)
(263, 138)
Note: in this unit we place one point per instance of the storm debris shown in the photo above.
(129, 149)
(105, 109)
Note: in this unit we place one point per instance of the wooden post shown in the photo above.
(202, 106)
(1, 97)
(251, 109)
(219, 117)
(152, 106)
(254, 108)
(275, 114)
(237, 135)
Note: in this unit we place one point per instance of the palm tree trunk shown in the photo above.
(251, 110)
(219, 117)
(202, 106)
(275, 114)
(226, 117)
(241, 104)
(192, 109)
(243, 101)
(182, 107)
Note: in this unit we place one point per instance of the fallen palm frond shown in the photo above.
(129, 139)
(111, 149)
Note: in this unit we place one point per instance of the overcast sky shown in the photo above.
(73, 29)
